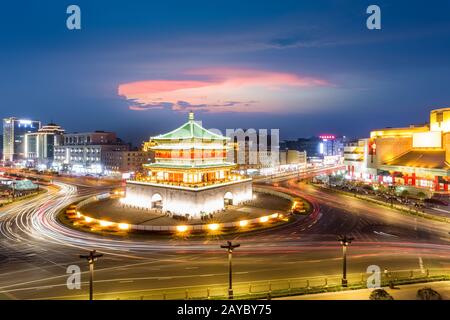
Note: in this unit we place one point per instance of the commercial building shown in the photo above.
(84, 153)
(190, 175)
(416, 156)
(317, 147)
(127, 162)
(254, 150)
(292, 157)
(40, 145)
(14, 131)
(331, 145)
(355, 160)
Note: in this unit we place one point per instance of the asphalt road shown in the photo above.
(35, 250)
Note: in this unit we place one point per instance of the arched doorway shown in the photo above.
(157, 201)
(228, 199)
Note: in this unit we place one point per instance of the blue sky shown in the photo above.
(305, 67)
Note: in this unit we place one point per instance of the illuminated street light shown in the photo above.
(213, 226)
(182, 229)
(243, 223)
(91, 258)
(345, 241)
(124, 226)
(264, 219)
(229, 246)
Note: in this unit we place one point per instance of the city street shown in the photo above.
(37, 249)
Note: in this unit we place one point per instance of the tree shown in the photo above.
(421, 195)
(405, 193)
(380, 294)
(428, 294)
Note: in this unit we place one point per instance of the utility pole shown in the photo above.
(229, 246)
(91, 258)
(345, 242)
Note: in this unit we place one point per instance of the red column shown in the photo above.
(413, 179)
(436, 183)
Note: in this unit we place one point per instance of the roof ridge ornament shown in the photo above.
(191, 116)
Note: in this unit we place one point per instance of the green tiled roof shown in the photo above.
(190, 130)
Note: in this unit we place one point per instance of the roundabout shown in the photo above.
(107, 213)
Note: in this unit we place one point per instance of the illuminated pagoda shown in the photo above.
(190, 175)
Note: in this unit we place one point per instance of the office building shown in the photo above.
(14, 131)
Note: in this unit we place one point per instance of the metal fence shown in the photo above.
(283, 287)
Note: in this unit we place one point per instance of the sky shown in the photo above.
(304, 67)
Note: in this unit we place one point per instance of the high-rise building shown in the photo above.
(39, 146)
(14, 131)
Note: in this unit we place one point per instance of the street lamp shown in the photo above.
(91, 258)
(345, 241)
(229, 246)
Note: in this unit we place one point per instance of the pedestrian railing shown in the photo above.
(268, 289)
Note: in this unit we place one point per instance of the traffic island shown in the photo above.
(107, 214)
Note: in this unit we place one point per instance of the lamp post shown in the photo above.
(345, 241)
(229, 246)
(91, 258)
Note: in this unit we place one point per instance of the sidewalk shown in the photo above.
(404, 292)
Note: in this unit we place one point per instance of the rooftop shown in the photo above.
(190, 130)
(429, 159)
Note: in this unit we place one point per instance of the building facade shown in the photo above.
(190, 175)
(40, 146)
(85, 153)
(128, 161)
(14, 131)
(416, 156)
(252, 150)
(355, 160)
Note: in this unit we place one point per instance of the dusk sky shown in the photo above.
(305, 67)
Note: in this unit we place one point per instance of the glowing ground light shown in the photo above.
(264, 219)
(124, 226)
(78, 214)
(274, 216)
(182, 228)
(88, 219)
(243, 223)
(105, 223)
(213, 226)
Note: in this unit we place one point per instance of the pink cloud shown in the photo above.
(215, 90)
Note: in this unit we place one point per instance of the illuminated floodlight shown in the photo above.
(124, 226)
(274, 216)
(78, 214)
(264, 219)
(182, 228)
(213, 226)
(243, 223)
(105, 223)
(88, 219)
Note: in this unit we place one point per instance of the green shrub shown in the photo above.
(380, 294)
(428, 294)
